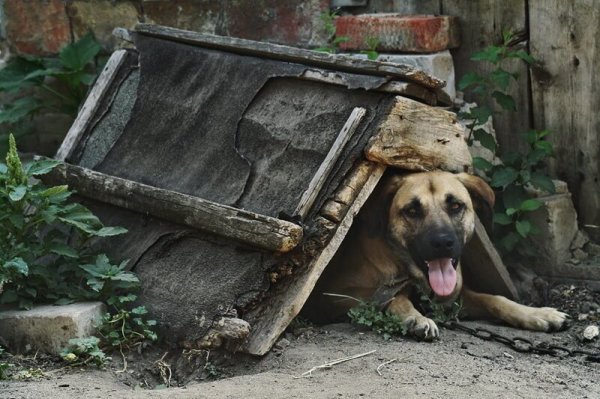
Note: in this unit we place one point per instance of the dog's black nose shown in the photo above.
(442, 241)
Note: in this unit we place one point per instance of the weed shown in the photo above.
(83, 351)
(385, 323)
(515, 172)
(333, 41)
(440, 313)
(371, 52)
(29, 78)
(4, 366)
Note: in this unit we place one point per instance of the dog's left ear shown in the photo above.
(482, 195)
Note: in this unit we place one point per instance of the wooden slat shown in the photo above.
(316, 184)
(417, 137)
(482, 24)
(292, 54)
(270, 320)
(248, 227)
(91, 104)
(483, 268)
(566, 96)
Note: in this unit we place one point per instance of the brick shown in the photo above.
(438, 64)
(399, 33)
(101, 17)
(48, 328)
(36, 27)
(292, 22)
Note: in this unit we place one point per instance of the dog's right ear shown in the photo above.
(375, 213)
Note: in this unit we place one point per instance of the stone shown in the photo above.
(38, 28)
(557, 222)
(398, 33)
(590, 332)
(49, 328)
(439, 65)
(101, 17)
(580, 254)
(580, 240)
(592, 249)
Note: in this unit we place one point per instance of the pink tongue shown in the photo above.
(442, 276)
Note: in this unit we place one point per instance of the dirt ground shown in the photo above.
(456, 366)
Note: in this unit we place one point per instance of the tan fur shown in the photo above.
(375, 255)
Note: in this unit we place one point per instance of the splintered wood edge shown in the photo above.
(316, 184)
(266, 330)
(91, 104)
(248, 227)
(418, 137)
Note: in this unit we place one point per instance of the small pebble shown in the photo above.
(590, 333)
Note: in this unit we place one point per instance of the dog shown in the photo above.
(411, 233)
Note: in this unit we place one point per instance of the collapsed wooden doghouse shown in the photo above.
(238, 166)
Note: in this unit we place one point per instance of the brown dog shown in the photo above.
(411, 232)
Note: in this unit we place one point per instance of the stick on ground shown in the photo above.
(334, 362)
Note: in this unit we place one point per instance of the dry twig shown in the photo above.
(163, 368)
(333, 363)
(384, 364)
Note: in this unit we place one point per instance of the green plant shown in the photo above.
(57, 84)
(385, 323)
(515, 172)
(83, 351)
(126, 327)
(43, 238)
(334, 41)
(4, 366)
(371, 52)
(440, 313)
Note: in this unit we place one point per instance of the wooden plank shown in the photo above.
(272, 319)
(316, 184)
(248, 227)
(407, 89)
(417, 137)
(565, 96)
(482, 24)
(292, 54)
(483, 268)
(90, 106)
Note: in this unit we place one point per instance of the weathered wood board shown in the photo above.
(565, 39)
(418, 137)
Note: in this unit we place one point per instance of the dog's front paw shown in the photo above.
(543, 319)
(422, 327)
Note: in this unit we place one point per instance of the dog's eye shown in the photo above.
(412, 211)
(456, 207)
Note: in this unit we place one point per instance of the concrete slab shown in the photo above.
(438, 64)
(48, 328)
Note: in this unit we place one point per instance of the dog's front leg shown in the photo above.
(416, 324)
(479, 305)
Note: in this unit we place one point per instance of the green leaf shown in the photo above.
(501, 78)
(511, 211)
(522, 54)
(486, 139)
(542, 182)
(110, 231)
(545, 146)
(470, 79)
(340, 39)
(481, 113)
(513, 159)
(41, 167)
(523, 227)
(525, 176)
(17, 193)
(531, 137)
(63, 249)
(17, 110)
(482, 164)
(77, 55)
(530, 205)
(3, 168)
(53, 191)
(510, 241)
(17, 220)
(502, 219)
(505, 101)
(490, 54)
(503, 177)
(536, 156)
(18, 265)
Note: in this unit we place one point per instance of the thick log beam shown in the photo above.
(257, 230)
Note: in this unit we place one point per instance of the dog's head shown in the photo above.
(429, 217)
